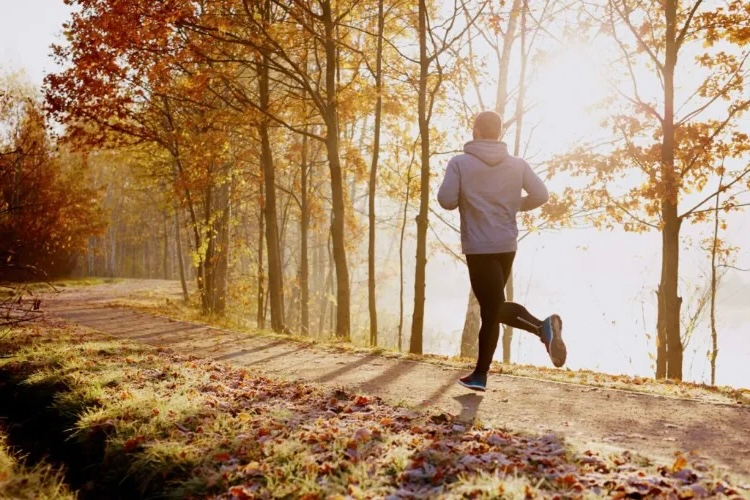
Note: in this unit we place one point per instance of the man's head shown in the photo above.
(488, 125)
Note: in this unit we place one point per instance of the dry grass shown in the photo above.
(29, 483)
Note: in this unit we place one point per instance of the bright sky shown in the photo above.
(602, 283)
(27, 29)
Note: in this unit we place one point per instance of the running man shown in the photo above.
(485, 185)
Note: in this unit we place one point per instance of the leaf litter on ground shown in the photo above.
(190, 428)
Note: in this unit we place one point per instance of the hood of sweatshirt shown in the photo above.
(490, 152)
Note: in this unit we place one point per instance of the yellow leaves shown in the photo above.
(679, 463)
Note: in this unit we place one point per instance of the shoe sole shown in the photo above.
(472, 387)
(557, 351)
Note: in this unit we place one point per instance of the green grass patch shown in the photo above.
(180, 427)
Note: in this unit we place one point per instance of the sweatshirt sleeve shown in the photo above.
(450, 188)
(537, 194)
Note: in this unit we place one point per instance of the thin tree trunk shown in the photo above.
(221, 246)
(145, 260)
(714, 248)
(166, 274)
(180, 258)
(208, 260)
(502, 79)
(338, 222)
(323, 251)
(371, 291)
(261, 319)
(113, 254)
(669, 302)
(179, 173)
(417, 325)
(520, 102)
(401, 263)
(275, 272)
(470, 334)
(304, 280)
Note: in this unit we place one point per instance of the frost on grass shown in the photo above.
(186, 428)
(20, 482)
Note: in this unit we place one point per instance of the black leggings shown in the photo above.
(488, 274)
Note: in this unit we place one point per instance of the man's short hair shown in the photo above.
(488, 125)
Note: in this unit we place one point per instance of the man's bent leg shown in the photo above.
(518, 316)
(515, 315)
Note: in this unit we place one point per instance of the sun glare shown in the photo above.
(568, 87)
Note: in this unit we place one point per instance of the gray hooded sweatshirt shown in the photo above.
(485, 185)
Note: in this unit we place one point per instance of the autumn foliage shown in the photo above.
(46, 212)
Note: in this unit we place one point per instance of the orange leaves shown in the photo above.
(133, 443)
(679, 463)
(46, 213)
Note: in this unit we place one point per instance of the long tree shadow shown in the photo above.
(437, 393)
(242, 352)
(347, 368)
(275, 356)
(152, 335)
(395, 372)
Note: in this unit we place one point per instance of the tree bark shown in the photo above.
(417, 325)
(166, 271)
(371, 291)
(714, 248)
(508, 330)
(180, 258)
(304, 279)
(220, 264)
(669, 302)
(509, 39)
(520, 102)
(261, 319)
(472, 322)
(275, 274)
(338, 220)
(401, 262)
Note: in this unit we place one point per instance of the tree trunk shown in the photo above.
(180, 258)
(502, 79)
(217, 250)
(275, 274)
(417, 324)
(113, 254)
(178, 171)
(304, 278)
(338, 221)
(372, 303)
(669, 302)
(261, 319)
(166, 271)
(144, 260)
(220, 253)
(470, 334)
(520, 102)
(508, 330)
(714, 248)
(401, 262)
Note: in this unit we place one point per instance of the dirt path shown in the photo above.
(588, 417)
